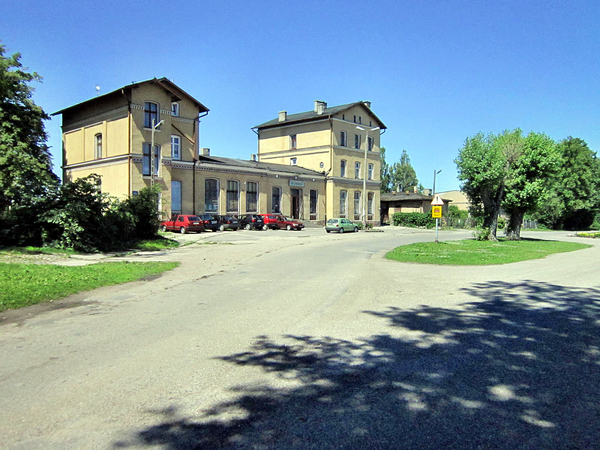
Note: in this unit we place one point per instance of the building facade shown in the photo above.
(341, 141)
(309, 166)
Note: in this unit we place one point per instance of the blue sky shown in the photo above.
(436, 72)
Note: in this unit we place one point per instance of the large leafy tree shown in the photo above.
(25, 162)
(575, 196)
(482, 167)
(403, 175)
(531, 163)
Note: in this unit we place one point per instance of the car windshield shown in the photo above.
(192, 218)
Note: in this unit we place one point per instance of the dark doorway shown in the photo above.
(296, 203)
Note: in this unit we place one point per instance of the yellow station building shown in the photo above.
(309, 166)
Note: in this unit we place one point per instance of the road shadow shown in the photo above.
(517, 368)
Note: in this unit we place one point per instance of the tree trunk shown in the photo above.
(513, 232)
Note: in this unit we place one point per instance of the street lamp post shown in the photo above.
(434, 175)
(365, 169)
(154, 127)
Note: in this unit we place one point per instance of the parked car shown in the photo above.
(289, 224)
(183, 223)
(272, 220)
(228, 223)
(211, 222)
(340, 225)
(252, 222)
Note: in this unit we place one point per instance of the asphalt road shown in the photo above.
(307, 340)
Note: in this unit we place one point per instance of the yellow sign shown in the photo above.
(436, 212)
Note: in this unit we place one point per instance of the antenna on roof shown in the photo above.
(97, 90)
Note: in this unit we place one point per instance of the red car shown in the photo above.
(277, 221)
(289, 224)
(183, 223)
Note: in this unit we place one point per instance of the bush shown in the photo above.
(456, 217)
(481, 233)
(414, 220)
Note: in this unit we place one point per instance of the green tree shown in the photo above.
(575, 195)
(482, 168)
(386, 180)
(531, 163)
(25, 162)
(403, 175)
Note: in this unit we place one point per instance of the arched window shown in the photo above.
(211, 195)
(343, 203)
(276, 199)
(251, 196)
(233, 195)
(98, 146)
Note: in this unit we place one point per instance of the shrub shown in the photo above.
(482, 233)
(414, 220)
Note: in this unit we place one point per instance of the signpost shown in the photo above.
(436, 213)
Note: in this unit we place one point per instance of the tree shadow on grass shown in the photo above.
(517, 369)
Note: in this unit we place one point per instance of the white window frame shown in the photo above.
(371, 169)
(343, 168)
(357, 169)
(343, 139)
(176, 147)
(175, 109)
(357, 139)
(293, 161)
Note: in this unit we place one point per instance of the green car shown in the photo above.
(340, 225)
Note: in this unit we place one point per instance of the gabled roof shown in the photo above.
(176, 92)
(247, 164)
(313, 115)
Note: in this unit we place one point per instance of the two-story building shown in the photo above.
(310, 165)
(343, 141)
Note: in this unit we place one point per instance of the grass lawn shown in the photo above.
(478, 253)
(28, 284)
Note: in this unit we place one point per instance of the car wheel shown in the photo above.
(222, 228)
(265, 227)
(328, 231)
(289, 228)
(182, 230)
(163, 228)
(248, 227)
(356, 229)
(342, 230)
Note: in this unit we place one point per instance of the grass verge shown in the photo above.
(478, 253)
(27, 284)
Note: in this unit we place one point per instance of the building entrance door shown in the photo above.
(296, 202)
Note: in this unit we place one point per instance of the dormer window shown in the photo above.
(175, 109)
